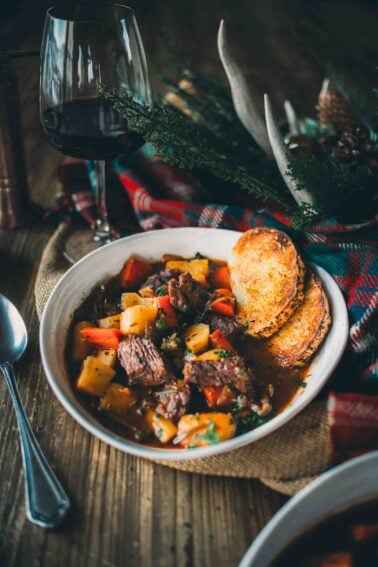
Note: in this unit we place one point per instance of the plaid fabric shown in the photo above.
(159, 196)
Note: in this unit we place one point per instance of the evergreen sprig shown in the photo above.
(185, 144)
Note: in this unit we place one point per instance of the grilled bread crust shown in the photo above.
(296, 342)
(267, 278)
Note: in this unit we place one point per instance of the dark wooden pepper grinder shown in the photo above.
(14, 199)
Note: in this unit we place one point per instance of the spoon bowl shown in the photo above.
(13, 333)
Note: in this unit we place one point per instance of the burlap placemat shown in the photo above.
(285, 460)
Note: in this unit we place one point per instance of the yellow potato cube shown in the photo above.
(202, 429)
(136, 320)
(164, 429)
(117, 398)
(130, 299)
(80, 348)
(196, 337)
(201, 266)
(185, 266)
(108, 356)
(111, 322)
(209, 355)
(94, 376)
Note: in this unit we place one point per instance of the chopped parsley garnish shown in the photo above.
(162, 290)
(210, 436)
(199, 256)
(222, 353)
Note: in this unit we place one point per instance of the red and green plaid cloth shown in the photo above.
(157, 195)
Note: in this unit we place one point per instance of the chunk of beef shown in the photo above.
(157, 280)
(230, 371)
(143, 362)
(186, 294)
(173, 400)
(227, 325)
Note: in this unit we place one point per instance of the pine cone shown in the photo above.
(351, 146)
(334, 108)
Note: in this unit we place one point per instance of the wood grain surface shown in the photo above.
(126, 511)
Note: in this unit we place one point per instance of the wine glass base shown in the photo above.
(80, 243)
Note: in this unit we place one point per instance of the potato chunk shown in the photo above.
(210, 355)
(108, 356)
(196, 337)
(129, 299)
(80, 347)
(94, 376)
(111, 322)
(202, 429)
(137, 319)
(163, 428)
(117, 398)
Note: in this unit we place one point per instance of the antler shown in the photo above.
(282, 156)
(243, 102)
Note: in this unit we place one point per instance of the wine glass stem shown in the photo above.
(102, 226)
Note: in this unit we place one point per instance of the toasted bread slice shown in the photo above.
(267, 277)
(301, 336)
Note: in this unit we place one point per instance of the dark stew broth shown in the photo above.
(184, 410)
(348, 539)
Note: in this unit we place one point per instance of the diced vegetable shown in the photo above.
(111, 322)
(172, 345)
(128, 299)
(200, 265)
(134, 272)
(147, 292)
(196, 337)
(212, 394)
(222, 292)
(107, 356)
(221, 277)
(202, 429)
(169, 312)
(101, 338)
(138, 319)
(219, 341)
(163, 428)
(117, 398)
(209, 355)
(198, 269)
(94, 376)
(80, 347)
(223, 308)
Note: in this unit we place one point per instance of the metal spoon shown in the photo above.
(46, 502)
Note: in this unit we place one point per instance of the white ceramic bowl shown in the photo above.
(77, 283)
(350, 484)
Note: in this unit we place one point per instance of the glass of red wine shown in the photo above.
(84, 46)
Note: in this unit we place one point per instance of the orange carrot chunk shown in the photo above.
(170, 314)
(221, 277)
(101, 338)
(218, 340)
(223, 308)
(212, 394)
(134, 272)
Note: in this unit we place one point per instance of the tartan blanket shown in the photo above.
(156, 195)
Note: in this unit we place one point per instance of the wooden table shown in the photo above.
(127, 511)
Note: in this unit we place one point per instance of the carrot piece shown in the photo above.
(223, 292)
(221, 277)
(170, 314)
(212, 394)
(134, 272)
(218, 340)
(223, 308)
(101, 338)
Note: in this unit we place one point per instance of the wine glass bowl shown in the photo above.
(84, 46)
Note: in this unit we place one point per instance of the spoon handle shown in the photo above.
(46, 502)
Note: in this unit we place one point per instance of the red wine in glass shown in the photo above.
(84, 46)
(90, 129)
